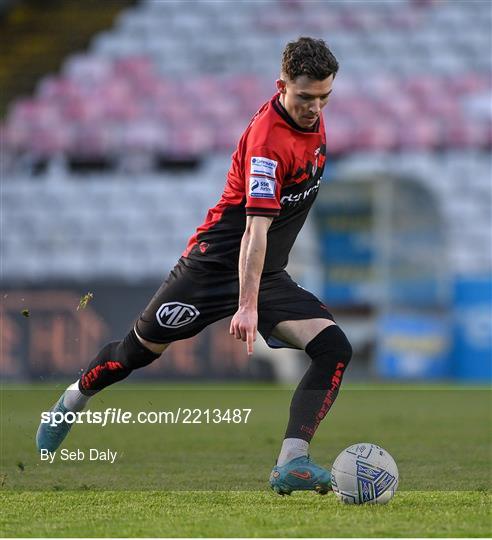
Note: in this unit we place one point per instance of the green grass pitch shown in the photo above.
(210, 480)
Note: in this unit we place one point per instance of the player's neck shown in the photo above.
(314, 129)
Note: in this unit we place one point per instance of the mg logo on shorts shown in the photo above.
(176, 314)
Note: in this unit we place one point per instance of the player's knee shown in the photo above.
(157, 348)
(329, 348)
(129, 353)
(133, 354)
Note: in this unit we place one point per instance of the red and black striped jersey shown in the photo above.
(276, 171)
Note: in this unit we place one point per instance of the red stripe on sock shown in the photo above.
(93, 375)
(330, 396)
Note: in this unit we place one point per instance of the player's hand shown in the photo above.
(244, 325)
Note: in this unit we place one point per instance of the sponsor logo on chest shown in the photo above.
(295, 199)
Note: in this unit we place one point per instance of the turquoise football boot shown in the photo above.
(50, 437)
(300, 474)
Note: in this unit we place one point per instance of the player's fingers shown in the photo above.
(242, 334)
(237, 331)
(250, 337)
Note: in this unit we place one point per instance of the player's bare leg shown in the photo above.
(114, 362)
(330, 353)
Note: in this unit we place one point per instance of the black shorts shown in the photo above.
(195, 295)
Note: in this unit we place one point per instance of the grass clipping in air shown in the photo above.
(84, 300)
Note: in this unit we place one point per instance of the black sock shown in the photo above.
(330, 353)
(115, 362)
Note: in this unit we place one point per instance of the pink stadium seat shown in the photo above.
(134, 67)
(422, 135)
(339, 134)
(148, 136)
(99, 139)
(460, 134)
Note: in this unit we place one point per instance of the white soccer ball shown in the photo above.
(364, 473)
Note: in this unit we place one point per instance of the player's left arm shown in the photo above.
(251, 260)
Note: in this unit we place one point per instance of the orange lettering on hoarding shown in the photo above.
(58, 338)
(180, 357)
(9, 341)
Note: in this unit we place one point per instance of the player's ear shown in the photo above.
(281, 85)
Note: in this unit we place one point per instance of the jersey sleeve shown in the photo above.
(264, 173)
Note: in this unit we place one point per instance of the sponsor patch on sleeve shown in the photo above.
(261, 187)
(263, 165)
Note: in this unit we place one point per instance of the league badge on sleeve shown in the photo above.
(261, 187)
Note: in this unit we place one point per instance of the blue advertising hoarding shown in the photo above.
(472, 329)
(413, 346)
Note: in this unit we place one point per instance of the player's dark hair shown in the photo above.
(308, 56)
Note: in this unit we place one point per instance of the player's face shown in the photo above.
(303, 98)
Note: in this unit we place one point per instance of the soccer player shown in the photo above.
(235, 265)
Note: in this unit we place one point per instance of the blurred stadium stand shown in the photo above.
(38, 34)
(167, 81)
(112, 162)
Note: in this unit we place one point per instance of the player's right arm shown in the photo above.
(263, 176)
(251, 260)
